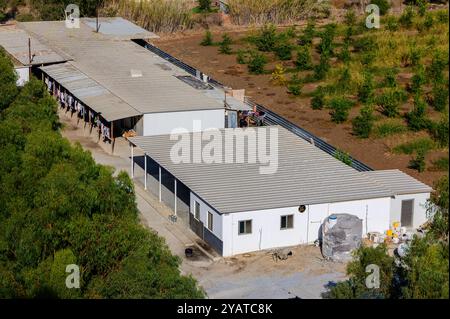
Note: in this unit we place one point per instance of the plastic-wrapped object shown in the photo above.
(341, 234)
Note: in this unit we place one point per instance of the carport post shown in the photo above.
(159, 183)
(175, 192)
(132, 161)
(145, 171)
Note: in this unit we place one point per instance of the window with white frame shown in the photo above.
(287, 222)
(245, 227)
(210, 221)
(197, 210)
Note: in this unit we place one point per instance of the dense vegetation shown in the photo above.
(422, 273)
(58, 207)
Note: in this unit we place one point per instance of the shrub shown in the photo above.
(278, 75)
(327, 37)
(225, 44)
(390, 100)
(283, 51)
(344, 55)
(308, 34)
(318, 99)
(267, 38)
(390, 79)
(428, 21)
(406, 19)
(344, 157)
(321, 69)
(418, 80)
(207, 39)
(389, 128)
(437, 66)
(422, 7)
(442, 16)
(362, 124)
(416, 118)
(418, 162)
(365, 90)
(384, 5)
(242, 56)
(365, 44)
(340, 107)
(440, 164)
(439, 97)
(294, 89)
(344, 81)
(411, 147)
(440, 132)
(256, 63)
(391, 23)
(204, 5)
(303, 61)
(412, 57)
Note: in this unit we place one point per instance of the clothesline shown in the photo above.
(67, 100)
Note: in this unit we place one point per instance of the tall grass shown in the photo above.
(156, 15)
(244, 12)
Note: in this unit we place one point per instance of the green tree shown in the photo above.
(204, 5)
(256, 63)
(363, 123)
(303, 61)
(340, 107)
(8, 78)
(207, 39)
(225, 44)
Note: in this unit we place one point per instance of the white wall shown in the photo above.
(164, 123)
(23, 75)
(419, 209)
(266, 232)
(204, 208)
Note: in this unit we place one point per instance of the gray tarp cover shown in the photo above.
(339, 240)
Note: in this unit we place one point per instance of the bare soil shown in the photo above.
(374, 152)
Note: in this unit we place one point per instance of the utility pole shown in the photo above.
(30, 58)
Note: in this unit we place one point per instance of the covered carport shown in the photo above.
(161, 183)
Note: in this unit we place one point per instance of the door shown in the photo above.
(407, 213)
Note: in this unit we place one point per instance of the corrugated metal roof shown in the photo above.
(109, 62)
(397, 181)
(90, 92)
(119, 27)
(15, 42)
(305, 175)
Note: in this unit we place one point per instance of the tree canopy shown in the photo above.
(59, 207)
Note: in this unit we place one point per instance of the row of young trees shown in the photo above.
(58, 207)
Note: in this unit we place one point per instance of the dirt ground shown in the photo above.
(224, 68)
(257, 275)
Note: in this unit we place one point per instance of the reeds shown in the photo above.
(156, 15)
(259, 12)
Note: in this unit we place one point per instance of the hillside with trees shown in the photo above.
(58, 207)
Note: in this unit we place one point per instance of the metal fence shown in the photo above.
(271, 118)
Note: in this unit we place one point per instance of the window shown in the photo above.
(197, 210)
(245, 227)
(287, 222)
(210, 221)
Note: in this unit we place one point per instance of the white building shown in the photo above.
(236, 209)
(115, 78)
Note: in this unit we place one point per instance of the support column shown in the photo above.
(145, 171)
(175, 192)
(132, 161)
(112, 137)
(160, 178)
